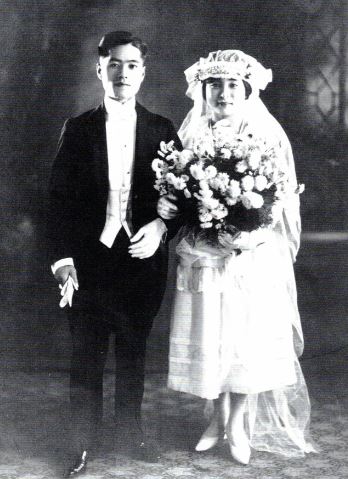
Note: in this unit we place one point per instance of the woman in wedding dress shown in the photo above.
(235, 333)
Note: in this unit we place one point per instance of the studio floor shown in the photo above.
(34, 428)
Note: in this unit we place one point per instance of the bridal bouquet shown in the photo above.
(230, 185)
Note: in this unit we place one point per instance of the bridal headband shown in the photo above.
(228, 64)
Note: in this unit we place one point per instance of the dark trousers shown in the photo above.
(113, 299)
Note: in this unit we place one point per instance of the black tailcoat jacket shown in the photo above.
(78, 199)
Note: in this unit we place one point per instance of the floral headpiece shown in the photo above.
(228, 64)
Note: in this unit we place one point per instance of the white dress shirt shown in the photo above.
(120, 139)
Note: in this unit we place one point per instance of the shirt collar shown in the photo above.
(115, 108)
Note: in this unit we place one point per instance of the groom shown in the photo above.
(106, 235)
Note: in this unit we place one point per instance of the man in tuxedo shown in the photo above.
(106, 236)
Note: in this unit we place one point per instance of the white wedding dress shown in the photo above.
(235, 324)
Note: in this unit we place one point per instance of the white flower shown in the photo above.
(210, 203)
(174, 155)
(260, 182)
(197, 172)
(268, 168)
(233, 189)
(185, 157)
(210, 172)
(187, 193)
(179, 183)
(161, 187)
(231, 201)
(171, 178)
(205, 216)
(207, 225)
(241, 166)
(205, 192)
(226, 153)
(220, 182)
(205, 186)
(239, 151)
(252, 200)
(204, 147)
(224, 178)
(247, 183)
(166, 147)
(220, 212)
(159, 167)
(254, 159)
(157, 164)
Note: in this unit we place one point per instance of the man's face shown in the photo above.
(121, 72)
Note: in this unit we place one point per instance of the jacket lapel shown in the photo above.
(143, 141)
(97, 135)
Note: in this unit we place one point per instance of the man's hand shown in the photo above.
(166, 208)
(63, 273)
(146, 241)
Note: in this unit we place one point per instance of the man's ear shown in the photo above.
(98, 69)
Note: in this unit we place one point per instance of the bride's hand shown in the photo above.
(229, 242)
(248, 240)
(166, 208)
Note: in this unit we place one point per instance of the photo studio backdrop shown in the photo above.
(48, 56)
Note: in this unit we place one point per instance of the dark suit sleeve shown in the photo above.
(175, 224)
(62, 194)
(172, 135)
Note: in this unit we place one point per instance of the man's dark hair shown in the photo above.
(114, 39)
(210, 80)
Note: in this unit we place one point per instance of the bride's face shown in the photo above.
(224, 96)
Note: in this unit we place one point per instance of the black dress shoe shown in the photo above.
(79, 466)
(143, 451)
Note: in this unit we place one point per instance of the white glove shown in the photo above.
(67, 292)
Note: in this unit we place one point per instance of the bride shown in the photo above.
(236, 333)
